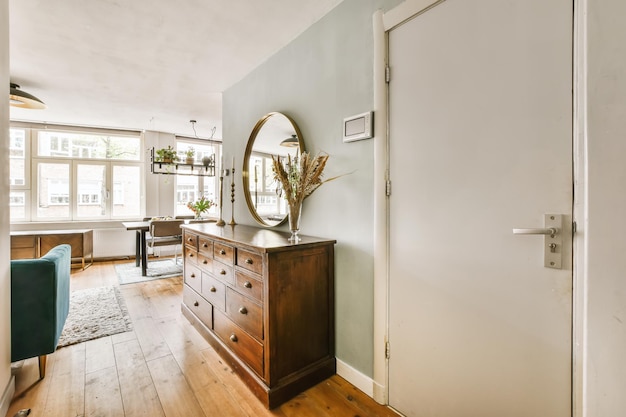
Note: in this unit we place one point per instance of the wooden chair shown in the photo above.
(166, 233)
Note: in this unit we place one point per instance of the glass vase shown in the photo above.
(295, 212)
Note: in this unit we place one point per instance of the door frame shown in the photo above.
(383, 22)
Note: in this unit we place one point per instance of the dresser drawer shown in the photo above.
(223, 253)
(199, 306)
(205, 262)
(245, 313)
(244, 346)
(249, 286)
(205, 246)
(223, 272)
(190, 254)
(193, 277)
(250, 261)
(214, 291)
(191, 240)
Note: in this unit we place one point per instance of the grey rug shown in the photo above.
(94, 313)
(163, 268)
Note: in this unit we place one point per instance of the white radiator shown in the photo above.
(113, 243)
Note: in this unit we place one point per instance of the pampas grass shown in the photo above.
(300, 176)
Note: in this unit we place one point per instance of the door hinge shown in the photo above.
(387, 74)
(388, 188)
(387, 350)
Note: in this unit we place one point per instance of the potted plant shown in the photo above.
(166, 155)
(190, 154)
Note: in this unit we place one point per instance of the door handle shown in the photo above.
(552, 241)
(549, 231)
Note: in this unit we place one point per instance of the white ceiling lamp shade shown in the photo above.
(20, 98)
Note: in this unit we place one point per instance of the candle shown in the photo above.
(233, 165)
(221, 165)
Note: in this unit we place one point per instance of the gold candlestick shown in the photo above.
(232, 195)
(221, 221)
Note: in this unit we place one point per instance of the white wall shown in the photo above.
(605, 231)
(5, 277)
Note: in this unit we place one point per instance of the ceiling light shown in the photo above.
(291, 142)
(19, 98)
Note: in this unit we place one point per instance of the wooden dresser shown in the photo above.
(266, 305)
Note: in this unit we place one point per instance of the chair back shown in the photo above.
(162, 228)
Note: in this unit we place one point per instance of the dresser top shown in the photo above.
(264, 239)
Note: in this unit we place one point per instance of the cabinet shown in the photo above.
(34, 244)
(266, 305)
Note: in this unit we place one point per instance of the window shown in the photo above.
(263, 188)
(189, 187)
(77, 174)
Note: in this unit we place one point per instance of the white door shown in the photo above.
(480, 103)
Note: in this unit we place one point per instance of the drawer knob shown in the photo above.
(223, 272)
(192, 275)
(233, 338)
(243, 310)
(213, 289)
(189, 239)
(205, 262)
(204, 245)
(222, 252)
(247, 284)
(191, 255)
(196, 304)
(248, 261)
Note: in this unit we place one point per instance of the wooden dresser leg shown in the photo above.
(42, 366)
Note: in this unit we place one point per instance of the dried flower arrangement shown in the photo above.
(299, 177)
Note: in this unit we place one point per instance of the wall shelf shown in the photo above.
(181, 168)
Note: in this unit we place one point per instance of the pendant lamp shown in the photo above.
(20, 98)
(291, 142)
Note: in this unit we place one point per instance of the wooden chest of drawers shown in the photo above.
(266, 305)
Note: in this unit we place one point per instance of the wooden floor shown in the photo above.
(162, 368)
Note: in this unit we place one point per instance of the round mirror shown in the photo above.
(274, 134)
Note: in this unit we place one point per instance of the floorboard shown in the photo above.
(164, 367)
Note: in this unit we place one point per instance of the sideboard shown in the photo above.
(34, 244)
(266, 305)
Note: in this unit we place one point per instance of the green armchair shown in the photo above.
(40, 301)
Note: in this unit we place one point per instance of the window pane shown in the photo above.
(90, 190)
(126, 193)
(17, 154)
(17, 203)
(88, 146)
(54, 190)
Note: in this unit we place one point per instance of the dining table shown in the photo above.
(141, 228)
(141, 256)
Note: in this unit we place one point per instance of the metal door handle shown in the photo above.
(549, 231)
(553, 239)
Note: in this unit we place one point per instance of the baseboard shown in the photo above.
(5, 401)
(356, 378)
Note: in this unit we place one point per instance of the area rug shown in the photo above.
(94, 313)
(164, 268)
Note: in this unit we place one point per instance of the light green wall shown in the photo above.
(318, 79)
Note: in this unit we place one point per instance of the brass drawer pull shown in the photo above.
(213, 289)
(247, 284)
(233, 338)
(243, 310)
(222, 252)
(192, 275)
(196, 304)
(191, 255)
(223, 272)
(249, 261)
(204, 245)
(189, 239)
(205, 262)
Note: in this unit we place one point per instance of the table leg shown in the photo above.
(144, 255)
(138, 248)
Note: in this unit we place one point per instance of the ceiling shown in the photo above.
(145, 64)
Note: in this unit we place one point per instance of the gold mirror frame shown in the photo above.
(265, 140)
